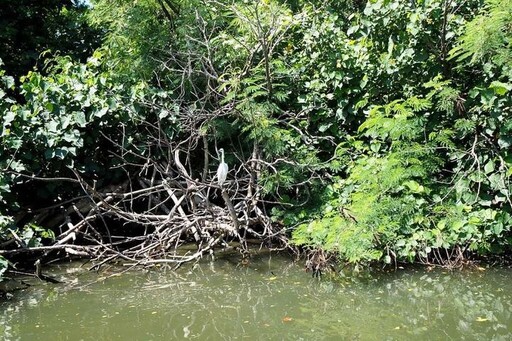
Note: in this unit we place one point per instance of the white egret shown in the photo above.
(222, 171)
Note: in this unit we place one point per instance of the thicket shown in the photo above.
(31, 28)
(372, 131)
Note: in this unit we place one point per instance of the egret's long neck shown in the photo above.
(222, 156)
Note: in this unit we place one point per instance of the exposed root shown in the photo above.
(164, 212)
(317, 261)
(453, 258)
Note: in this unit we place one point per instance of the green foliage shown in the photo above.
(388, 185)
(430, 172)
(31, 27)
(386, 145)
(252, 52)
(398, 170)
(487, 36)
(138, 33)
(60, 109)
(66, 120)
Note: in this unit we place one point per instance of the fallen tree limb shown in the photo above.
(89, 249)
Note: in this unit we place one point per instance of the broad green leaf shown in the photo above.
(500, 88)
(489, 167)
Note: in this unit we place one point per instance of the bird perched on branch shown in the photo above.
(222, 171)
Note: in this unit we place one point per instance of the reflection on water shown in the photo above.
(270, 299)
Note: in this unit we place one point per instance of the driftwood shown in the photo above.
(166, 211)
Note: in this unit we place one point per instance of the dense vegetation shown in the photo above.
(33, 27)
(375, 131)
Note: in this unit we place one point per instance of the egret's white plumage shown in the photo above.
(222, 171)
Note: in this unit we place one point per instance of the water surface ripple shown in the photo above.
(271, 298)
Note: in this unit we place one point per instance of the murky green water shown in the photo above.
(270, 299)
